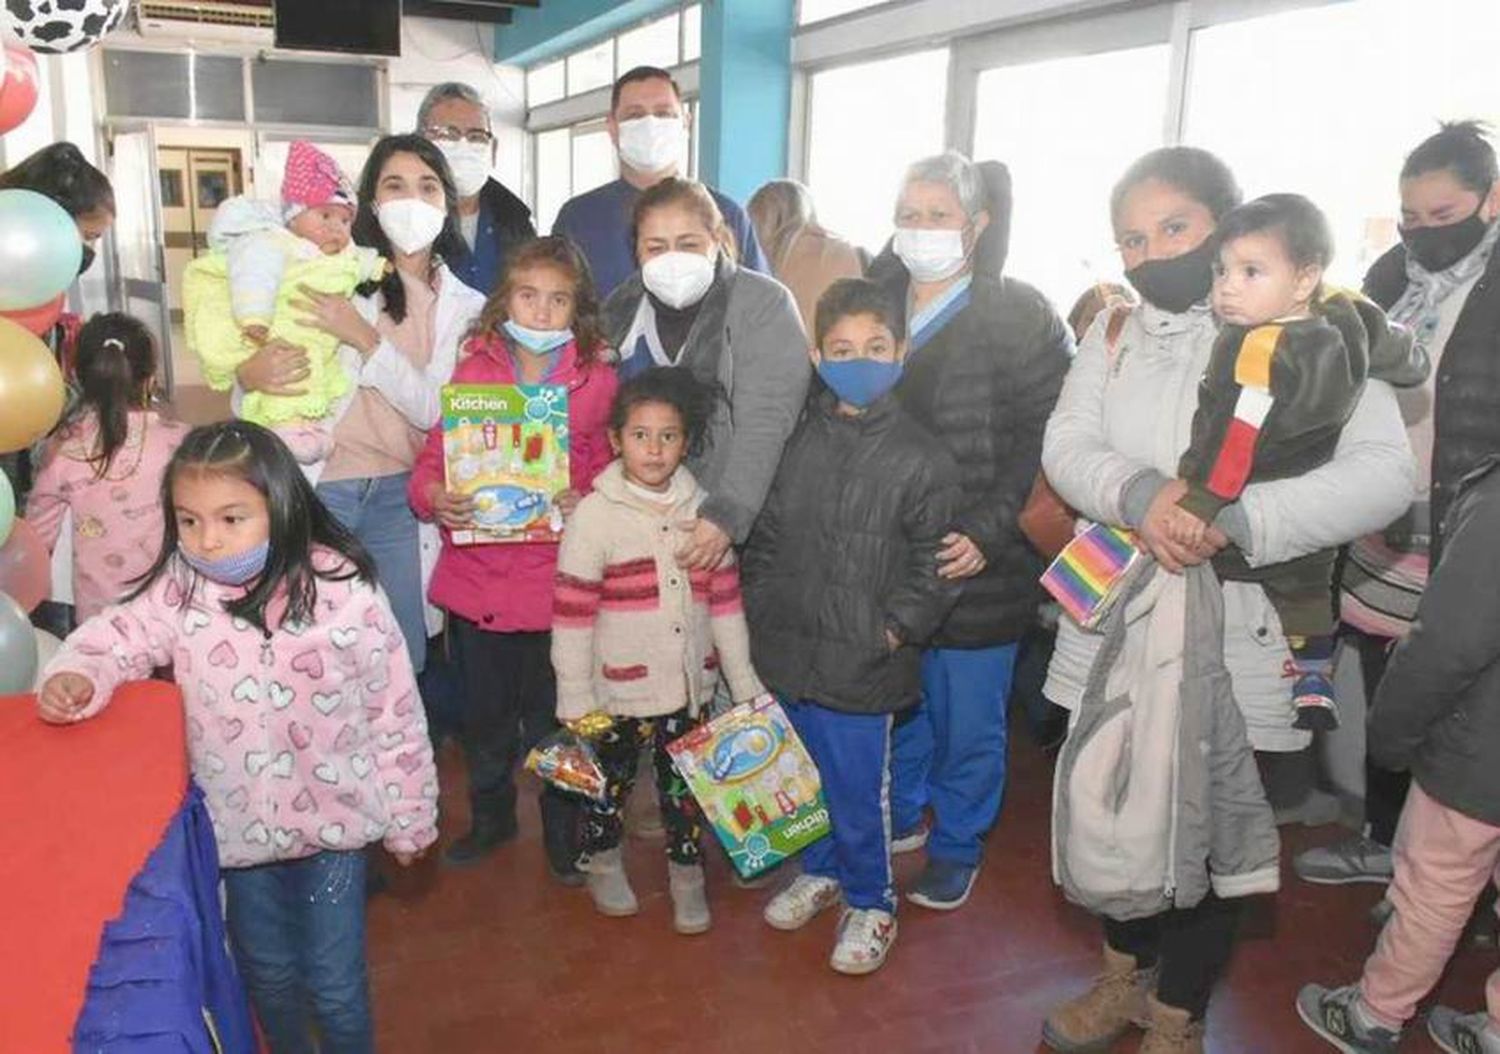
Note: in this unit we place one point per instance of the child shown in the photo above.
(1437, 713)
(842, 591)
(249, 290)
(303, 724)
(541, 326)
(640, 638)
(105, 463)
(1287, 369)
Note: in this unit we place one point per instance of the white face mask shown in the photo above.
(651, 144)
(678, 279)
(931, 255)
(470, 164)
(410, 223)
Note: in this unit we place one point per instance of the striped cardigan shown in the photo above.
(632, 633)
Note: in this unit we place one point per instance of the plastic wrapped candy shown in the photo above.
(566, 759)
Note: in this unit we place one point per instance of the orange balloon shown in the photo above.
(18, 89)
(31, 388)
(38, 319)
(25, 567)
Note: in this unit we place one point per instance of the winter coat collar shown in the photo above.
(610, 485)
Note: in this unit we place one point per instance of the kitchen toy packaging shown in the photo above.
(507, 446)
(755, 782)
(1092, 572)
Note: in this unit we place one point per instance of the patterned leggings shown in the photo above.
(618, 751)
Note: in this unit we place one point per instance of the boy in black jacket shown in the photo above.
(841, 591)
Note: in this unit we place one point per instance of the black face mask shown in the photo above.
(87, 260)
(1439, 248)
(1178, 283)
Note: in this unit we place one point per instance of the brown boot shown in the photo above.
(1094, 1020)
(1171, 1031)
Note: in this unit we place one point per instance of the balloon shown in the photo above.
(31, 388)
(46, 647)
(53, 27)
(38, 319)
(40, 249)
(25, 566)
(18, 87)
(7, 507)
(17, 649)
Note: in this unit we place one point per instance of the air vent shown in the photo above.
(250, 16)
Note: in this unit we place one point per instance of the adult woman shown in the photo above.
(60, 172)
(401, 342)
(803, 256)
(736, 330)
(986, 358)
(1112, 448)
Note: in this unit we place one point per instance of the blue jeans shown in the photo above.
(297, 929)
(375, 511)
(950, 751)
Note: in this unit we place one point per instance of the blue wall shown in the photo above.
(559, 26)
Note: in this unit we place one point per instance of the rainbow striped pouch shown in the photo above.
(1090, 574)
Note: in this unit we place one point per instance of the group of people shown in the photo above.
(800, 470)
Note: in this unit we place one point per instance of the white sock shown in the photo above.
(1364, 1021)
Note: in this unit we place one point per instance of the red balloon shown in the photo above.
(25, 567)
(18, 89)
(38, 319)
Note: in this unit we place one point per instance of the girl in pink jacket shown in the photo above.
(304, 726)
(105, 463)
(540, 326)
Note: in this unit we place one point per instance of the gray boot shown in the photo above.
(608, 885)
(689, 904)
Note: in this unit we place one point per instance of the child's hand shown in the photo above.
(892, 641)
(566, 501)
(63, 698)
(453, 510)
(256, 335)
(1185, 529)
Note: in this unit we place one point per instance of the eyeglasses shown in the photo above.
(447, 133)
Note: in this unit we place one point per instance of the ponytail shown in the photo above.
(115, 363)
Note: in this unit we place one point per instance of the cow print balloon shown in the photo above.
(52, 27)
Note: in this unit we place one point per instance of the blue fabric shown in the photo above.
(927, 323)
(950, 751)
(479, 269)
(852, 752)
(162, 963)
(599, 223)
(298, 933)
(375, 511)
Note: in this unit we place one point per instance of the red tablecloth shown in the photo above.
(81, 807)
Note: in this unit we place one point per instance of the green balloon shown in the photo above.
(7, 507)
(17, 648)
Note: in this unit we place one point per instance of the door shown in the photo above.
(176, 221)
(137, 238)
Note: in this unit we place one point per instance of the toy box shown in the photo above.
(755, 782)
(507, 446)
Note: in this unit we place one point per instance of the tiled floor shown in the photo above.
(500, 959)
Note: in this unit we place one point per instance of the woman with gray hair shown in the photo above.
(804, 257)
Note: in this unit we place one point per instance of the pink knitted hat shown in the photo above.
(312, 180)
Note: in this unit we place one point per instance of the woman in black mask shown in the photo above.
(1112, 449)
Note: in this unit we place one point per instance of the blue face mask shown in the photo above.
(859, 382)
(540, 341)
(233, 570)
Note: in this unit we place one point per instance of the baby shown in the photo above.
(242, 293)
(1286, 372)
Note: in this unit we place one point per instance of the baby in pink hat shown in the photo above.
(245, 293)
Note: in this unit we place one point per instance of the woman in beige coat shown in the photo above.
(804, 257)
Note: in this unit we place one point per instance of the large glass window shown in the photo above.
(172, 84)
(1067, 128)
(1328, 101)
(654, 44)
(593, 67)
(866, 123)
(546, 83)
(593, 159)
(554, 178)
(326, 93)
(692, 33)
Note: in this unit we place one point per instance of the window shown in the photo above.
(1328, 101)
(593, 158)
(546, 83)
(171, 188)
(866, 124)
(1046, 121)
(692, 33)
(170, 84)
(340, 94)
(819, 10)
(593, 67)
(654, 44)
(554, 179)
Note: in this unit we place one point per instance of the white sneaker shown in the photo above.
(865, 938)
(799, 903)
(910, 841)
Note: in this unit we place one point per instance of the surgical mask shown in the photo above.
(87, 259)
(236, 570)
(411, 224)
(470, 164)
(678, 279)
(540, 341)
(1176, 284)
(931, 255)
(859, 382)
(651, 144)
(1439, 248)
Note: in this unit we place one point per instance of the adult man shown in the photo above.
(647, 126)
(491, 219)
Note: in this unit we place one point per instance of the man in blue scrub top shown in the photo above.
(491, 219)
(647, 126)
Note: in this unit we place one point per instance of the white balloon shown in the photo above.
(46, 647)
(51, 27)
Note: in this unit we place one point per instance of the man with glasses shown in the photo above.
(491, 219)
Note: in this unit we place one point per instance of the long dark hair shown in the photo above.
(1461, 147)
(115, 363)
(448, 245)
(61, 173)
(299, 522)
(562, 254)
(671, 386)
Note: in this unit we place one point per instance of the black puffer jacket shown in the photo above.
(1466, 413)
(846, 547)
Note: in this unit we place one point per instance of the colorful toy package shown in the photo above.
(1092, 573)
(755, 782)
(507, 446)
